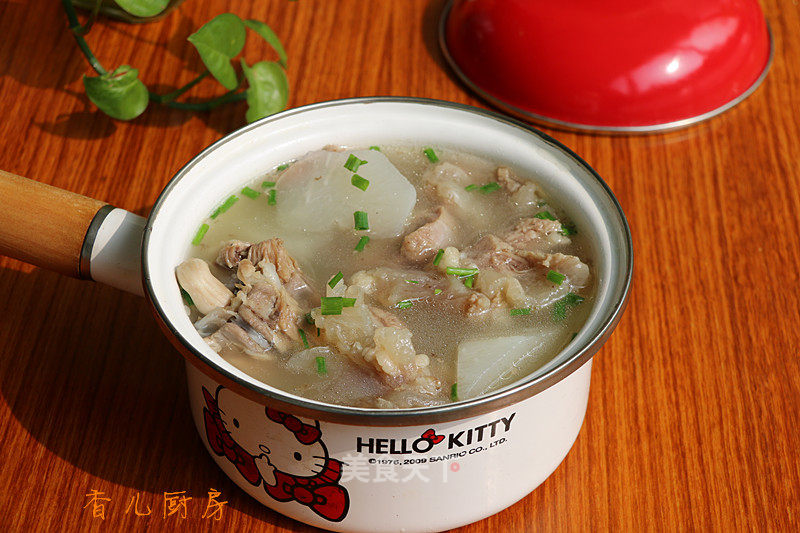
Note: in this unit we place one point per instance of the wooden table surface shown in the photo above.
(694, 413)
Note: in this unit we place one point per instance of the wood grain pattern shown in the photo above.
(695, 407)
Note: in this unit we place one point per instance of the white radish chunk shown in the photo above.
(316, 195)
(483, 364)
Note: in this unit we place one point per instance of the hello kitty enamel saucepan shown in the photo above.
(346, 468)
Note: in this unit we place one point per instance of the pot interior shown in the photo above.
(256, 149)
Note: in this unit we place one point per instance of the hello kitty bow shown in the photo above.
(304, 433)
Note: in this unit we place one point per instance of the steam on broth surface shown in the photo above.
(466, 279)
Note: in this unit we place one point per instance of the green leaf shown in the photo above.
(268, 89)
(268, 35)
(143, 8)
(118, 94)
(218, 41)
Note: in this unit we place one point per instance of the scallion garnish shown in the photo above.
(201, 232)
(267, 184)
(186, 297)
(431, 155)
(568, 229)
(490, 187)
(471, 187)
(225, 206)
(411, 281)
(358, 181)
(250, 193)
(454, 392)
(361, 222)
(438, 257)
(376, 148)
(404, 304)
(556, 277)
(303, 337)
(520, 311)
(561, 306)
(362, 243)
(332, 305)
(437, 291)
(317, 332)
(335, 279)
(309, 319)
(544, 215)
(321, 366)
(271, 197)
(283, 166)
(353, 163)
(461, 272)
(470, 281)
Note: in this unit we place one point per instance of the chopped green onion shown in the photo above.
(411, 281)
(271, 197)
(332, 305)
(568, 229)
(267, 184)
(186, 297)
(317, 332)
(353, 163)
(225, 206)
(520, 311)
(437, 291)
(438, 257)
(490, 187)
(556, 277)
(250, 193)
(358, 181)
(303, 337)
(453, 271)
(404, 304)
(321, 367)
(468, 282)
(201, 232)
(362, 243)
(431, 155)
(454, 392)
(309, 319)
(544, 215)
(561, 306)
(471, 187)
(376, 148)
(335, 279)
(361, 222)
(283, 166)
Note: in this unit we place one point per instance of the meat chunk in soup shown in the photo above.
(422, 244)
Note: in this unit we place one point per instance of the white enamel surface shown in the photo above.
(116, 258)
(419, 495)
(257, 150)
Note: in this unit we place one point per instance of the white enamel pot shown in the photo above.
(347, 468)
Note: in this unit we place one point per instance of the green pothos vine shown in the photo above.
(119, 93)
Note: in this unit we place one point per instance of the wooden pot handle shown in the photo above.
(44, 225)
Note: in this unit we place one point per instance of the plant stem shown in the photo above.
(83, 30)
(76, 28)
(230, 96)
(169, 97)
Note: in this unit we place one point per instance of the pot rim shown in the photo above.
(506, 396)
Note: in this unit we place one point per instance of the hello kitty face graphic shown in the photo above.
(277, 450)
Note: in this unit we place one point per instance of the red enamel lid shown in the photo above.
(609, 65)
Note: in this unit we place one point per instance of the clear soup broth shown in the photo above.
(389, 277)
